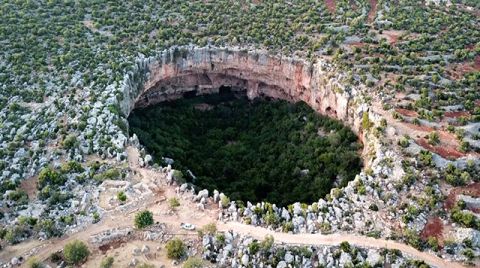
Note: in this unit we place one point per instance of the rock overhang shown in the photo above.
(186, 71)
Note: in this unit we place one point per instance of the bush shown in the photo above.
(209, 229)
(193, 262)
(143, 219)
(69, 142)
(433, 138)
(253, 247)
(107, 262)
(403, 142)
(345, 246)
(75, 252)
(175, 249)
(173, 203)
(48, 176)
(34, 263)
(267, 243)
(224, 201)
(122, 197)
(366, 123)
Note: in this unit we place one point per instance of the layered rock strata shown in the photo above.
(190, 71)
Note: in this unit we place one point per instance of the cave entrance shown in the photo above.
(190, 94)
(225, 90)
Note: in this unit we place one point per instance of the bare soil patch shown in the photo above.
(406, 112)
(433, 228)
(331, 5)
(358, 44)
(444, 151)
(30, 187)
(391, 36)
(456, 114)
(373, 10)
(458, 70)
(418, 128)
(112, 245)
(471, 190)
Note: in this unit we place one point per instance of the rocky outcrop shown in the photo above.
(189, 71)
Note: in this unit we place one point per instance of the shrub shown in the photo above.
(69, 142)
(403, 142)
(209, 229)
(373, 207)
(75, 252)
(271, 218)
(122, 197)
(224, 201)
(366, 123)
(267, 243)
(433, 138)
(48, 176)
(345, 246)
(433, 243)
(253, 247)
(469, 254)
(143, 219)
(287, 227)
(173, 202)
(107, 262)
(193, 262)
(34, 263)
(175, 249)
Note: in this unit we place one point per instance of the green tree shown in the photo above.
(175, 249)
(76, 252)
(107, 262)
(143, 219)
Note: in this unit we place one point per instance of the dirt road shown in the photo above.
(336, 239)
(187, 212)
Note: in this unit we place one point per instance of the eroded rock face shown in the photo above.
(185, 72)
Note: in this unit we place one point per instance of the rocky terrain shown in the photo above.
(408, 89)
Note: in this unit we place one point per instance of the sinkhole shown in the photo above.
(252, 149)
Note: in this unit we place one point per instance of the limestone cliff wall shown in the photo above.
(180, 70)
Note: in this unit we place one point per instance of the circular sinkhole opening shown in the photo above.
(252, 150)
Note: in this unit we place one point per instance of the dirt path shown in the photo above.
(335, 239)
(187, 212)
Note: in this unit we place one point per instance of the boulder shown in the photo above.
(245, 259)
(345, 259)
(285, 214)
(297, 209)
(216, 196)
(373, 257)
(289, 258)
(148, 159)
(468, 233)
(137, 251)
(133, 262)
(202, 194)
(183, 187)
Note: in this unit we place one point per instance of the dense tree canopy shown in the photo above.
(261, 150)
